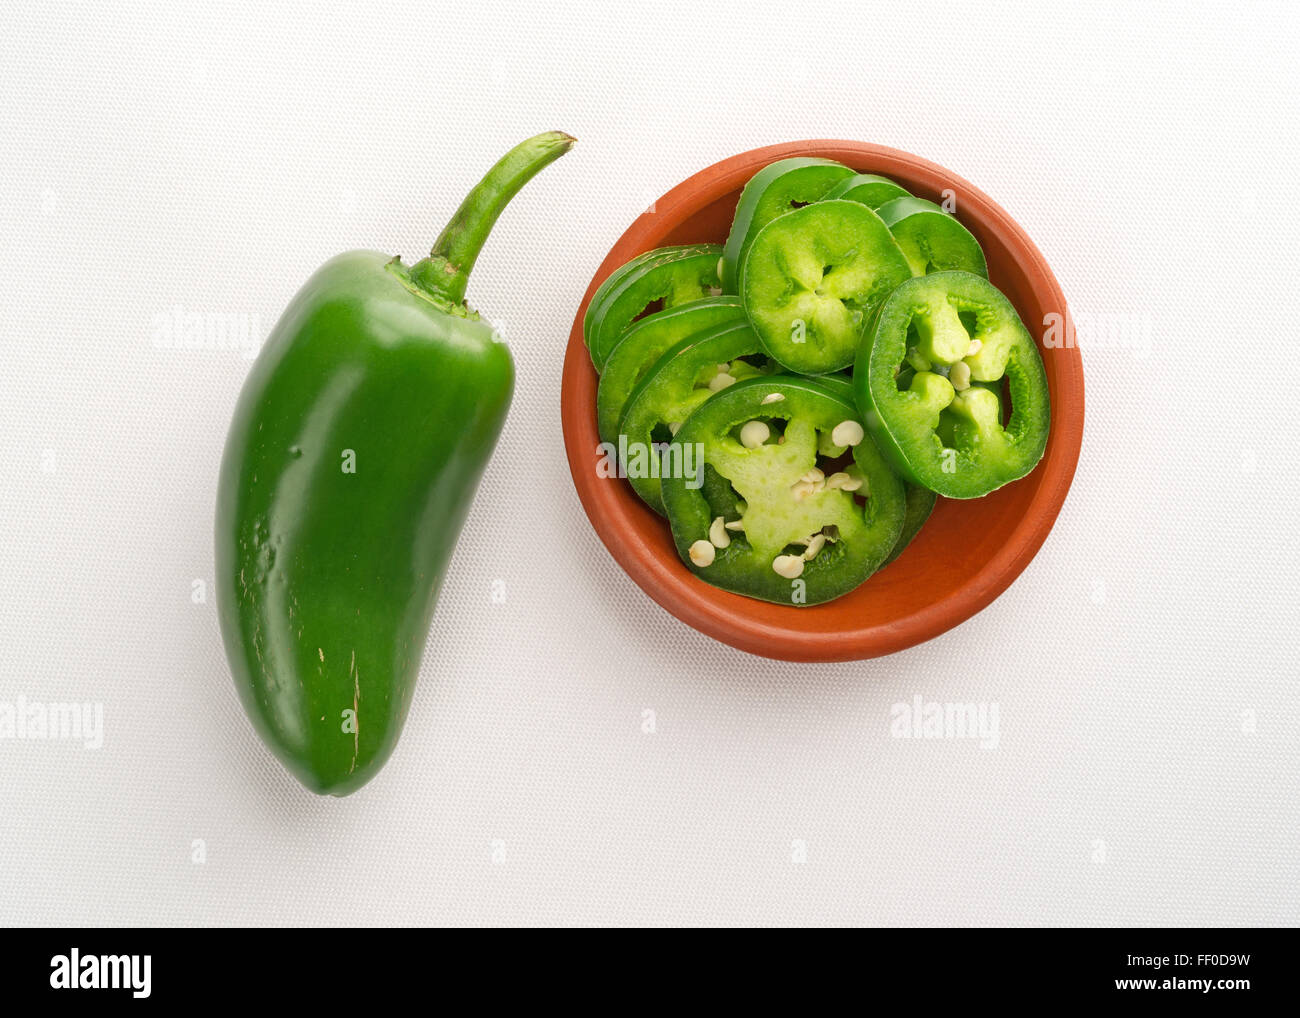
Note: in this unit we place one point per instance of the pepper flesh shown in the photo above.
(771, 192)
(355, 449)
(936, 317)
(871, 189)
(865, 524)
(812, 278)
(644, 343)
(932, 240)
(668, 277)
(672, 389)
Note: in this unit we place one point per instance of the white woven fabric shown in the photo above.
(1143, 668)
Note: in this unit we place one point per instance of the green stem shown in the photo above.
(445, 272)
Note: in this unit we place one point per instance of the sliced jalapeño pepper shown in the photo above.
(654, 281)
(870, 189)
(684, 377)
(932, 419)
(774, 516)
(931, 239)
(813, 277)
(644, 343)
(773, 191)
(616, 277)
(919, 501)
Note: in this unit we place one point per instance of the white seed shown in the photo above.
(801, 490)
(960, 376)
(817, 543)
(735, 525)
(718, 535)
(975, 347)
(773, 397)
(754, 434)
(813, 476)
(789, 566)
(847, 433)
(720, 381)
(674, 427)
(701, 553)
(723, 367)
(845, 481)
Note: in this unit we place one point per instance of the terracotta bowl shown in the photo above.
(967, 553)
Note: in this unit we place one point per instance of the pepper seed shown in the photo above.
(847, 433)
(702, 553)
(754, 434)
(789, 566)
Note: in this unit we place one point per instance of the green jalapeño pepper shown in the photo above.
(654, 281)
(773, 191)
(683, 378)
(919, 502)
(869, 189)
(355, 450)
(644, 343)
(813, 277)
(927, 378)
(796, 505)
(931, 240)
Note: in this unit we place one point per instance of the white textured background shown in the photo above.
(1144, 666)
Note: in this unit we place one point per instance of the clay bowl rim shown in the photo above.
(609, 503)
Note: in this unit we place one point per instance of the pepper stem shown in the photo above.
(445, 272)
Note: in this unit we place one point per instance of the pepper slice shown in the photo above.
(773, 191)
(870, 189)
(919, 501)
(667, 277)
(805, 528)
(683, 378)
(622, 272)
(644, 343)
(931, 239)
(948, 435)
(813, 277)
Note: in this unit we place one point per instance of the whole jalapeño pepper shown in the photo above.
(356, 447)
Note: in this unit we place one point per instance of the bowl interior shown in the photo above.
(968, 551)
